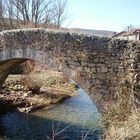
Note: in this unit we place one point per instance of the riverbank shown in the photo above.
(27, 93)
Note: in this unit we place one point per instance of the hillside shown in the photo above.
(104, 33)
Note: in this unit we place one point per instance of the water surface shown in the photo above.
(73, 119)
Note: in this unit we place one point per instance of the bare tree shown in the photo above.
(60, 14)
(1, 9)
(38, 13)
(129, 28)
(7, 19)
(32, 13)
(1, 12)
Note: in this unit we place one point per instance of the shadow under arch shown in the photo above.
(7, 66)
(17, 125)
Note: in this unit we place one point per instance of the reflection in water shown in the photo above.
(77, 116)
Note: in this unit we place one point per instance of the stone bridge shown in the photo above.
(97, 64)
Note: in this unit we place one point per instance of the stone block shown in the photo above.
(104, 69)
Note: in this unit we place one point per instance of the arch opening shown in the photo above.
(9, 65)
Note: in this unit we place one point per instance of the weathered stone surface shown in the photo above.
(104, 69)
(88, 60)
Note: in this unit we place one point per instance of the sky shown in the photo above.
(112, 15)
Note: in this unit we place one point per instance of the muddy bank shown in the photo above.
(27, 102)
(27, 93)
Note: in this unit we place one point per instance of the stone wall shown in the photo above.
(96, 64)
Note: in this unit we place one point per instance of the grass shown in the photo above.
(122, 121)
(38, 89)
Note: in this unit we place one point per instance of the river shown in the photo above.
(76, 118)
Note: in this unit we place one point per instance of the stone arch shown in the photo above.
(95, 63)
(7, 66)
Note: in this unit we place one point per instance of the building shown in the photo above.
(119, 35)
(129, 35)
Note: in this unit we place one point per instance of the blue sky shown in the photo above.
(103, 14)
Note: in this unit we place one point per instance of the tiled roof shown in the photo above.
(120, 34)
(124, 33)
